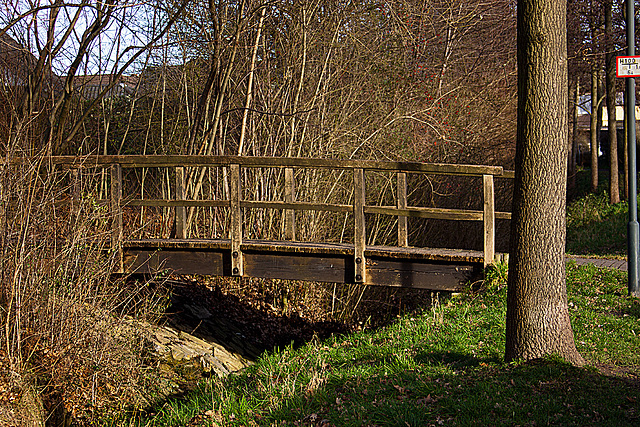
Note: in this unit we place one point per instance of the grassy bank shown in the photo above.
(594, 226)
(597, 228)
(440, 367)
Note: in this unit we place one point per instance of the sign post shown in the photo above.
(628, 67)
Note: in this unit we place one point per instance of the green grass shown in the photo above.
(594, 226)
(441, 367)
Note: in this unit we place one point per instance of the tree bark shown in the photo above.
(537, 313)
(612, 126)
(574, 90)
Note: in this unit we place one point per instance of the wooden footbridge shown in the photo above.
(232, 253)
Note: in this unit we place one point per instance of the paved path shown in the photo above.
(620, 264)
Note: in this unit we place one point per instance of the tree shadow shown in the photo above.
(634, 310)
(212, 315)
(250, 328)
(459, 389)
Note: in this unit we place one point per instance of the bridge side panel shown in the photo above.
(407, 273)
(145, 261)
(306, 267)
(420, 274)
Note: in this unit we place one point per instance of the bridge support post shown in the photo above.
(181, 218)
(235, 194)
(289, 197)
(360, 236)
(403, 231)
(489, 220)
(116, 219)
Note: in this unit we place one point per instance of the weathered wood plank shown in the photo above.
(289, 197)
(281, 246)
(76, 193)
(432, 254)
(235, 194)
(489, 221)
(403, 231)
(181, 217)
(116, 218)
(209, 262)
(431, 213)
(138, 161)
(360, 231)
(297, 206)
(413, 212)
(420, 274)
(187, 244)
(308, 267)
(176, 203)
(503, 215)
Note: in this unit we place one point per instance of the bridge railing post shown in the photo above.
(181, 217)
(75, 194)
(235, 195)
(289, 197)
(489, 220)
(403, 230)
(116, 216)
(360, 233)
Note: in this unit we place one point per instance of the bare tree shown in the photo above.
(612, 126)
(64, 37)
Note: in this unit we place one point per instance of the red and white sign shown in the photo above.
(628, 66)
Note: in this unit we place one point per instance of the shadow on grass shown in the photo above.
(634, 310)
(453, 360)
(462, 390)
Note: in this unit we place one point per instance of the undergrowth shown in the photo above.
(597, 228)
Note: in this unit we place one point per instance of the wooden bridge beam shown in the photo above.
(116, 219)
(181, 211)
(489, 221)
(403, 231)
(235, 195)
(289, 197)
(359, 201)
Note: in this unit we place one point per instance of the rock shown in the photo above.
(177, 347)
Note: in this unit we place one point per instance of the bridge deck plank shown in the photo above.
(344, 249)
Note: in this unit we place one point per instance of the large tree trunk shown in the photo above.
(537, 313)
(614, 183)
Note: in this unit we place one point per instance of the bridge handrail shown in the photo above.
(359, 208)
(142, 161)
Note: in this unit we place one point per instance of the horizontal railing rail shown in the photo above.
(142, 161)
